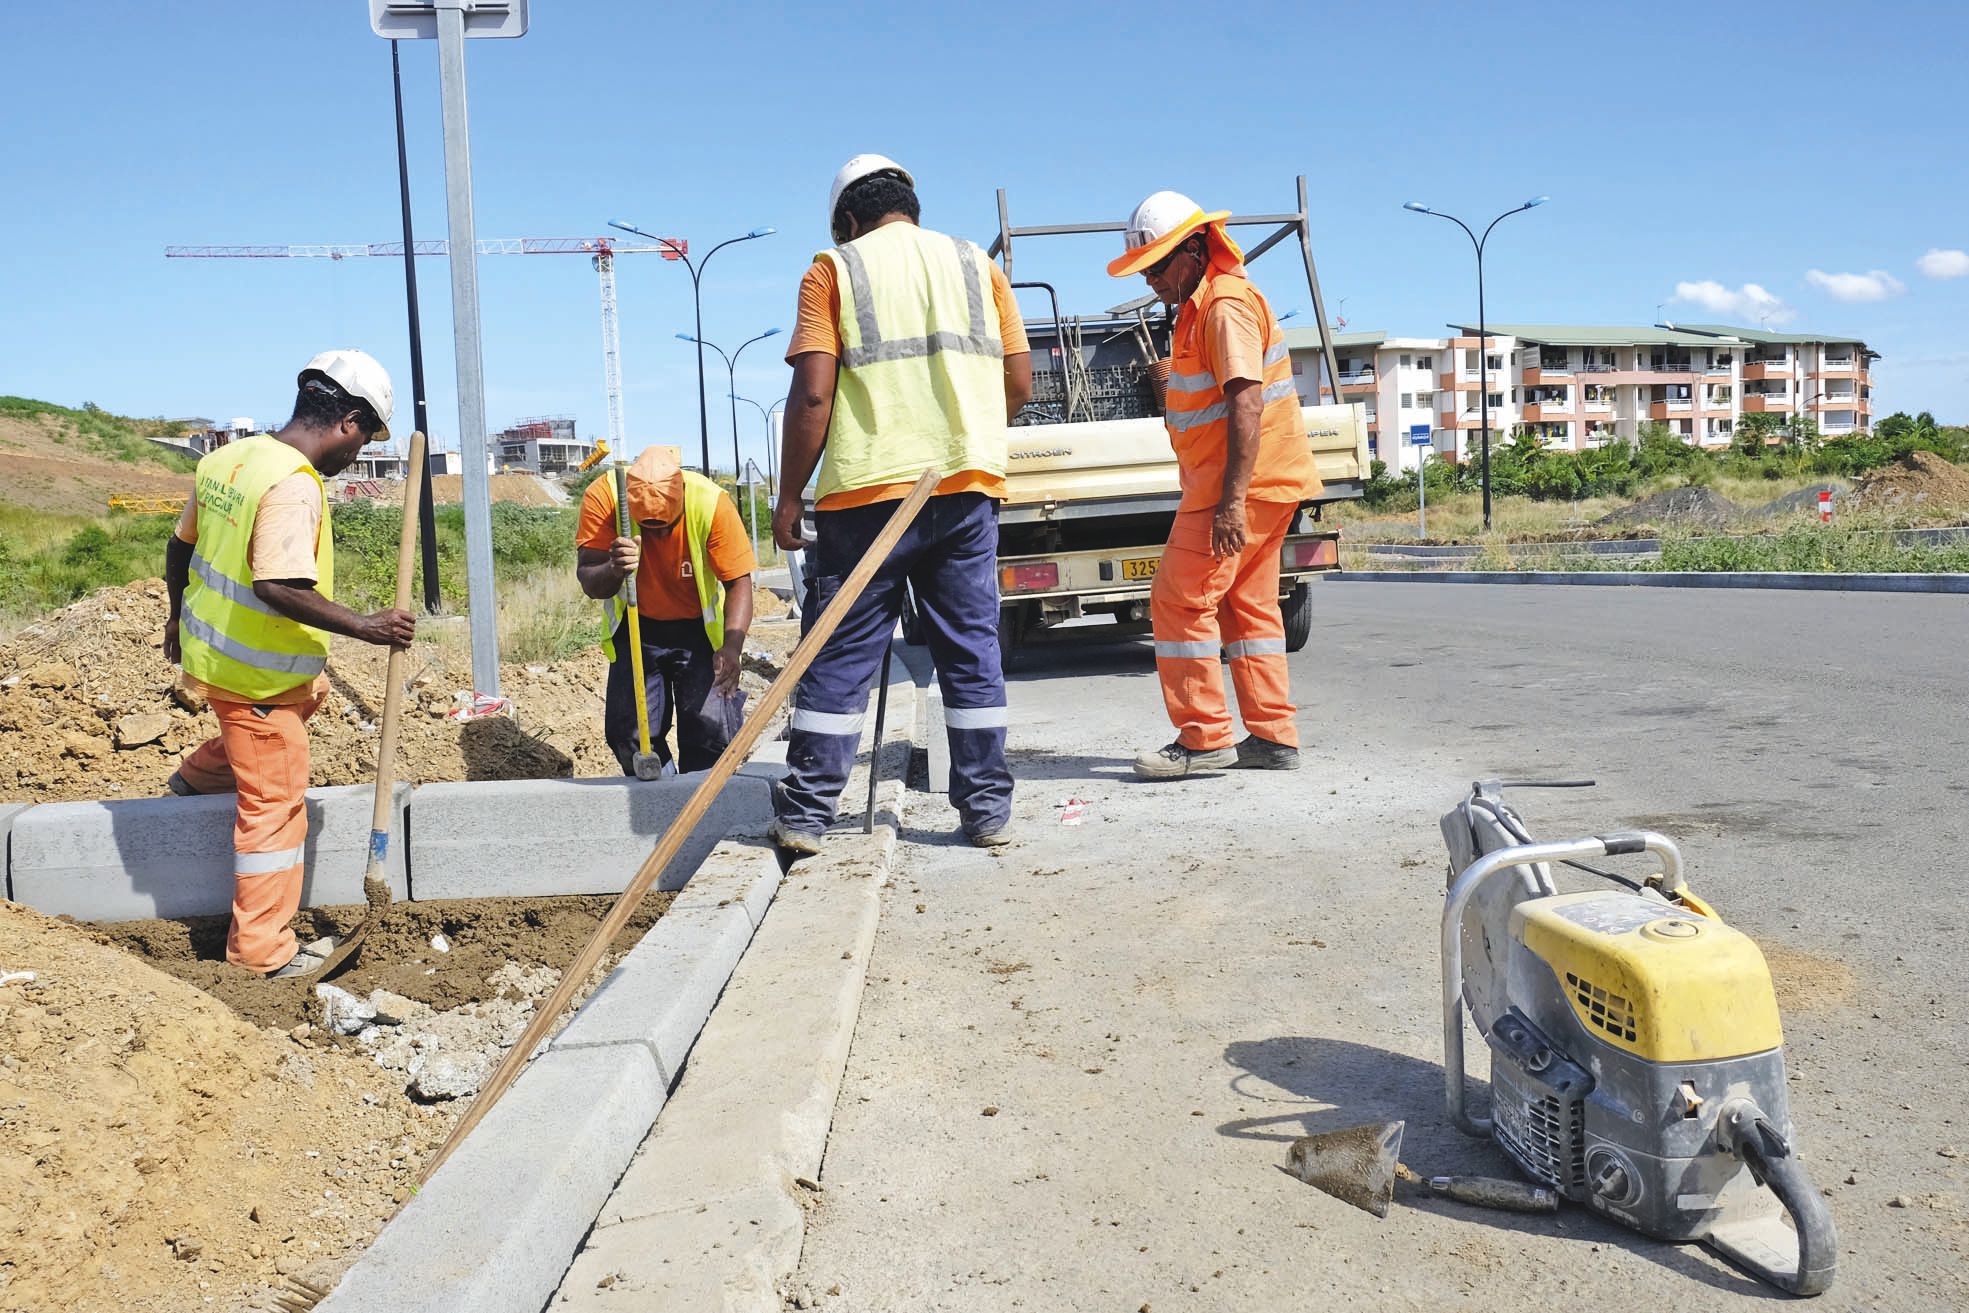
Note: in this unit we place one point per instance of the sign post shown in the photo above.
(450, 22)
(1419, 438)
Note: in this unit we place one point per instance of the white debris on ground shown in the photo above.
(443, 1055)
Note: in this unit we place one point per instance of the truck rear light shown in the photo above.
(1029, 578)
(1320, 551)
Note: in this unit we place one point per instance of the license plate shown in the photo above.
(1142, 567)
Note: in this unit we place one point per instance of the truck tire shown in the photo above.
(1298, 611)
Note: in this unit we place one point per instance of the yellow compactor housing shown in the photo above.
(1664, 985)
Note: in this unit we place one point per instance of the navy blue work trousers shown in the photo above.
(949, 557)
(677, 679)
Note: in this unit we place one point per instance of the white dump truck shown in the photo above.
(1092, 485)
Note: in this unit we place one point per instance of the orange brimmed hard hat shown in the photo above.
(656, 486)
(1158, 224)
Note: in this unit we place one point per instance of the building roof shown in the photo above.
(1308, 339)
(1770, 339)
(1598, 335)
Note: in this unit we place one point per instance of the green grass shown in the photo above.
(94, 430)
(1811, 548)
(100, 554)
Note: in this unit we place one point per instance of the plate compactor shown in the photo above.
(1636, 1059)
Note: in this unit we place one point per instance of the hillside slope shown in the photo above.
(68, 462)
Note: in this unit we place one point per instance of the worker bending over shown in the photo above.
(251, 577)
(693, 565)
(902, 361)
(1245, 465)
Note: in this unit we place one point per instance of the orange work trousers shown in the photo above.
(1204, 608)
(262, 754)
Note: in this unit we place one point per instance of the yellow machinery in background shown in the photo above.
(135, 505)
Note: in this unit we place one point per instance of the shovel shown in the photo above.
(646, 765)
(1360, 1165)
(375, 882)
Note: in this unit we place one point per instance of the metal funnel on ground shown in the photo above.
(1357, 1165)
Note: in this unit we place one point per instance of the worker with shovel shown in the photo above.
(691, 564)
(908, 355)
(1233, 418)
(251, 577)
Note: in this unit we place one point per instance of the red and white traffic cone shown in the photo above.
(1825, 508)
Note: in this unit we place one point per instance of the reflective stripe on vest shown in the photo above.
(1197, 413)
(700, 509)
(230, 638)
(922, 378)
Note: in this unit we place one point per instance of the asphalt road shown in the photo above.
(1080, 1060)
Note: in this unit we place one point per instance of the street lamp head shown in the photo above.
(762, 232)
(1287, 315)
(686, 337)
(769, 332)
(1417, 206)
(1536, 200)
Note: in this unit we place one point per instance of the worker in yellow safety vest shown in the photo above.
(693, 563)
(908, 355)
(251, 578)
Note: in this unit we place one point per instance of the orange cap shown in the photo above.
(656, 486)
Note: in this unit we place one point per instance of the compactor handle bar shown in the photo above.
(1465, 887)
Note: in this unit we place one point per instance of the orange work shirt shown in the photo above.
(817, 327)
(665, 589)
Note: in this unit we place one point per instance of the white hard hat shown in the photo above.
(360, 375)
(853, 172)
(1162, 220)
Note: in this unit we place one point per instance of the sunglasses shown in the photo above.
(1161, 267)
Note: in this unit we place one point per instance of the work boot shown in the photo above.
(1174, 761)
(306, 960)
(997, 838)
(179, 787)
(1263, 754)
(792, 844)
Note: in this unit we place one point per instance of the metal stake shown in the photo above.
(875, 753)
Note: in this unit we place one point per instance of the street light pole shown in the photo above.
(731, 379)
(697, 304)
(1483, 326)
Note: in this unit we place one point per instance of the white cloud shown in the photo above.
(1944, 264)
(1747, 302)
(1876, 285)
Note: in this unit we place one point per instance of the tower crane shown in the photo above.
(601, 250)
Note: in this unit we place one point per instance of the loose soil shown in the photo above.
(1919, 482)
(78, 688)
(1677, 506)
(482, 934)
(522, 489)
(158, 1153)
(45, 467)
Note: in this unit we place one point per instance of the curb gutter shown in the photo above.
(1813, 582)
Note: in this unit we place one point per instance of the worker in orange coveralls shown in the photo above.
(251, 575)
(1245, 464)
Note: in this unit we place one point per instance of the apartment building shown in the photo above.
(1576, 386)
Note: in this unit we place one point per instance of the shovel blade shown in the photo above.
(1356, 1165)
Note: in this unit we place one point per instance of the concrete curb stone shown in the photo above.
(493, 1228)
(1818, 582)
(172, 857)
(9, 812)
(581, 836)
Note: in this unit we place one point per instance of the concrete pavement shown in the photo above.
(1079, 1060)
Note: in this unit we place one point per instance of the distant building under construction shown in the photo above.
(543, 445)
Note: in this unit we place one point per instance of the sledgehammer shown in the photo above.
(646, 764)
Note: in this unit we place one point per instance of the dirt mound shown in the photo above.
(1678, 506)
(88, 707)
(159, 1153)
(524, 489)
(1805, 500)
(1918, 482)
(45, 464)
(481, 935)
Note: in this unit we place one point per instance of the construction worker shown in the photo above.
(251, 577)
(694, 597)
(1245, 466)
(901, 363)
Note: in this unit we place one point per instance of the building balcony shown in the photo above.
(1554, 367)
(1761, 404)
(1713, 368)
(1667, 409)
(1756, 369)
(1836, 369)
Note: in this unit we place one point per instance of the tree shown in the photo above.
(1755, 430)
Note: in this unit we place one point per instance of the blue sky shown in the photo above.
(1742, 148)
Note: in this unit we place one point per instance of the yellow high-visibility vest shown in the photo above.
(700, 508)
(922, 375)
(229, 637)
